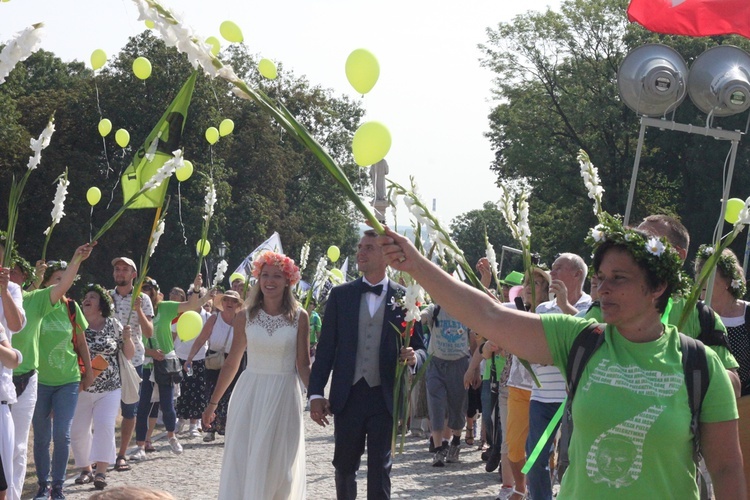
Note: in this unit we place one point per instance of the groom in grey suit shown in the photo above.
(359, 343)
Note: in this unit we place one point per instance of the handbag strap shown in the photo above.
(226, 340)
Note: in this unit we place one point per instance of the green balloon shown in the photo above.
(212, 135)
(105, 127)
(268, 69)
(203, 247)
(371, 143)
(189, 325)
(122, 137)
(226, 127)
(98, 59)
(142, 68)
(231, 32)
(333, 253)
(215, 45)
(734, 207)
(93, 195)
(362, 70)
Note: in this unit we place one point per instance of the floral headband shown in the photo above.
(104, 296)
(291, 271)
(659, 257)
(728, 266)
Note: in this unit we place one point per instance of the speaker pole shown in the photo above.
(634, 177)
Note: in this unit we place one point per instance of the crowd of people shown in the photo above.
(505, 354)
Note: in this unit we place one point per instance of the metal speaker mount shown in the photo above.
(652, 79)
(720, 81)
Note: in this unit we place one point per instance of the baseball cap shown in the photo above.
(126, 260)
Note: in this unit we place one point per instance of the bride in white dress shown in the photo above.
(264, 450)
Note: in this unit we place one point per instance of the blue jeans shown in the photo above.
(61, 401)
(538, 480)
(166, 402)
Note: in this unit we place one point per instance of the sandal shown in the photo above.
(469, 437)
(149, 447)
(121, 464)
(100, 481)
(85, 477)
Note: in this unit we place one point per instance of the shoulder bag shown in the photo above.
(215, 359)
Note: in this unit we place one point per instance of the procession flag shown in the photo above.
(157, 150)
(273, 243)
(692, 17)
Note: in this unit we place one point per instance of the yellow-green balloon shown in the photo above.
(105, 127)
(189, 325)
(268, 69)
(212, 135)
(185, 171)
(333, 253)
(93, 196)
(150, 24)
(98, 59)
(336, 273)
(215, 45)
(142, 68)
(734, 207)
(122, 137)
(371, 143)
(203, 247)
(226, 127)
(231, 32)
(362, 70)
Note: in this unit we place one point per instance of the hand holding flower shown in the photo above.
(408, 356)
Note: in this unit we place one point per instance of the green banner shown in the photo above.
(167, 133)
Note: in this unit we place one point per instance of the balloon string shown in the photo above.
(104, 142)
(117, 182)
(179, 211)
(91, 222)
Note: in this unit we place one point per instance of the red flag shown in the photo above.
(692, 17)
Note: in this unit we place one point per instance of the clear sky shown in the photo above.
(432, 93)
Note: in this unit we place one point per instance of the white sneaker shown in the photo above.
(138, 456)
(175, 445)
(195, 433)
(180, 428)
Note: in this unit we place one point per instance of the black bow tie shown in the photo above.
(377, 289)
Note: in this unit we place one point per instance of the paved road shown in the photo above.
(194, 475)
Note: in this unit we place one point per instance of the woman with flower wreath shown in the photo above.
(264, 454)
(632, 434)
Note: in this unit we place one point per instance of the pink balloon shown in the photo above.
(514, 292)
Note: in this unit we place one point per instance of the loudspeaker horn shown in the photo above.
(720, 81)
(652, 79)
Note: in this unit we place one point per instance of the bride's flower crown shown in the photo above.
(656, 254)
(728, 265)
(290, 270)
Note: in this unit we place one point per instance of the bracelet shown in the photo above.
(215, 404)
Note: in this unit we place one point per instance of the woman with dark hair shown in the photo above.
(264, 454)
(99, 404)
(632, 434)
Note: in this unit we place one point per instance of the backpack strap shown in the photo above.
(71, 305)
(584, 346)
(710, 335)
(435, 312)
(695, 365)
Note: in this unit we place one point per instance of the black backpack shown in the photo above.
(588, 341)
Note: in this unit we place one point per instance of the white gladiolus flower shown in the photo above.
(412, 299)
(221, 268)
(152, 148)
(59, 203)
(155, 238)
(591, 180)
(37, 145)
(744, 216)
(165, 171)
(598, 233)
(208, 208)
(320, 270)
(304, 255)
(19, 49)
(709, 251)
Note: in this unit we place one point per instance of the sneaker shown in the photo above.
(57, 493)
(453, 451)
(440, 455)
(43, 492)
(505, 493)
(180, 428)
(493, 461)
(210, 436)
(175, 445)
(195, 433)
(138, 456)
(432, 446)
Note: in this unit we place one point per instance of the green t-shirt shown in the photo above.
(36, 304)
(499, 365)
(315, 326)
(692, 328)
(166, 311)
(58, 361)
(632, 434)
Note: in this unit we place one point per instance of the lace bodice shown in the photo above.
(271, 343)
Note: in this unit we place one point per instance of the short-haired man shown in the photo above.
(138, 315)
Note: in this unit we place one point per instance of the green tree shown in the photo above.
(556, 85)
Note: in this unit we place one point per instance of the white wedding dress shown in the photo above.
(264, 454)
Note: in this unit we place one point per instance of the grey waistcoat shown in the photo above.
(367, 364)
